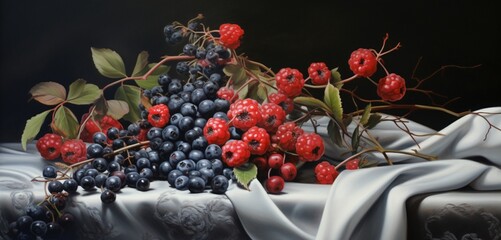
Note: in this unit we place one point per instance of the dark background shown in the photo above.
(51, 40)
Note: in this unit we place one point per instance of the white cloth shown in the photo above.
(370, 203)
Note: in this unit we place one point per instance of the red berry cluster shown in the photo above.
(92, 126)
(52, 146)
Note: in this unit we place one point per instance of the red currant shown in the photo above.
(275, 160)
(274, 184)
(288, 171)
(353, 164)
(391, 88)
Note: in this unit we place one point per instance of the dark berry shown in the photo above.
(189, 109)
(181, 183)
(198, 95)
(49, 172)
(189, 49)
(100, 164)
(108, 196)
(219, 184)
(196, 185)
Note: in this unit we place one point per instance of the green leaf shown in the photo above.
(374, 119)
(334, 133)
(245, 174)
(141, 62)
(32, 128)
(355, 140)
(312, 102)
(365, 116)
(65, 123)
(108, 62)
(86, 94)
(48, 93)
(237, 74)
(117, 109)
(333, 100)
(101, 106)
(132, 96)
(336, 78)
(151, 80)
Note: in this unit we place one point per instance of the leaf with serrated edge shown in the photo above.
(365, 116)
(312, 102)
(141, 62)
(334, 133)
(65, 123)
(89, 94)
(48, 93)
(237, 74)
(245, 174)
(333, 101)
(151, 80)
(374, 119)
(32, 128)
(117, 109)
(132, 96)
(76, 89)
(108, 62)
(336, 78)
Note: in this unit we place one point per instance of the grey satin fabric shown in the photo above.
(370, 203)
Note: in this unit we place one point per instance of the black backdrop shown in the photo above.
(51, 40)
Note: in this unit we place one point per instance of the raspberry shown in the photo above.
(353, 164)
(391, 88)
(319, 73)
(310, 147)
(287, 135)
(230, 35)
(73, 151)
(273, 116)
(235, 153)
(216, 131)
(363, 62)
(226, 93)
(325, 173)
(92, 126)
(158, 115)
(283, 101)
(49, 146)
(257, 139)
(290, 81)
(245, 113)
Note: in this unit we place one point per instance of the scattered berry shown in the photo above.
(353, 164)
(274, 184)
(290, 82)
(257, 139)
(325, 173)
(49, 146)
(288, 171)
(391, 88)
(363, 62)
(310, 147)
(231, 34)
(158, 115)
(235, 153)
(319, 73)
(226, 93)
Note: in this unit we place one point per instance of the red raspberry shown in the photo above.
(245, 113)
(310, 147)
(288, 171)
(353, 164)
(158, 115)
(287, 135)
(363, 62)
(283, 101)
(230, 35)
(325, 173)
(274, 184)
(49, 146)
(273, 116)
(257, 139)
(235, 153)
(73, 151)
(391, 88)
(216, 131)
(92, 126)
(226, 93)
(290, 82)
(319, 73)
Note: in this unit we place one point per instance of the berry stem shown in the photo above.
(412, 107)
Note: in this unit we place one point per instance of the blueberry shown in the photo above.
(217, 166)
(169, 30)
(198, 95)
(161, 100)
(194, 70)
(200, 53)
(114, 183)
(175, 86)
(24, 223)
(108, 196)
(147, 93)
(38, 228)
(182, 68)
(175, 118)
(221, 115)
(211, 56)
(186, 96)
(157, 90)
(146, 173)
(200, 143)
(176, 37)
(100, 138)
(165, 149)
(94, 150)
(235, 134)
(118, 143)
(53, 230)
(36, 212)
(213, 151)
(154, 132)
(77, 176)
(155, 143)
(113, 166)
(222, 52)
(87, 183)
(188, 87)
(100, 180)
(107, 152)
(153, 156)
(198, 83)
(176, 157)
(191, 135)
(207, 108)
(175, 103)
(207, 174)
(219, 184)
(196, 155)
(185, 124)
(55, 186)
(173, 174)
(200, 122)
(143, 163)
(181, 183)
(194, 25)
(49, 172)
(204, 163)
(164, 169)
(222, 105)
(184, 147)
(130, 168)
(189, 109)
(143, 184)
(113, 133)
(186, 166)
(92, 172)
(189, 49)
(196, 185)
(131, 179)
(163, 80)
(170, 132)
(228, 173)
(210, 88)
(194, 173)
(100, 164)
(217, 78)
